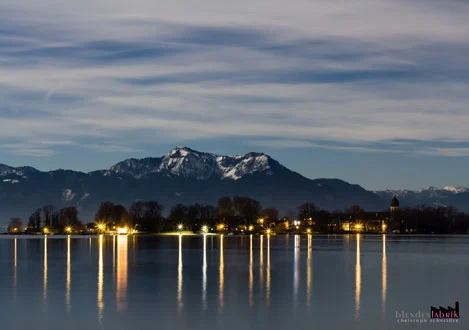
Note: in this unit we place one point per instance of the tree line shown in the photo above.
(242, 212)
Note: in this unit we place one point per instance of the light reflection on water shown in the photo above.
(100, 280)
(358, 280)
(180, 278)
(69, 276)
(204, 275)
(44, 295)
(243, 288)
(251, 273)
(309, 271)
(122, 271)
(267, 284)
(221, 287)
(384, 278)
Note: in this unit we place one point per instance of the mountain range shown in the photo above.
(187, 176)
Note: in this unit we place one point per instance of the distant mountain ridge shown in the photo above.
(456, 196)
(184, 175)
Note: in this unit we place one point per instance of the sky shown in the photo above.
(370, 91)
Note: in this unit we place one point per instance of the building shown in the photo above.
(394, 204)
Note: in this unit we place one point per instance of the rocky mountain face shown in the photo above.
(187, 163)
(187, 176)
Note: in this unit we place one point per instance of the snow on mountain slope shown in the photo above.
(18, 171)
(456, 189)
(188, 163)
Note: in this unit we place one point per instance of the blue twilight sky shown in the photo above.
(370, 91)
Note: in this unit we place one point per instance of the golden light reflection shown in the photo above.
(267, 289)
(45, 270)
(221, 275)
(204, 275)
(114, 257)
(100, 280)
(15, 263)
(358, 280)
(68, 281)
(180, 280)
(122, 269)
(261, 264)
(309, 271)
(251, 274)
(384, 278)
(296, 269)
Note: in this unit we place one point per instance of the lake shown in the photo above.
(231, 282)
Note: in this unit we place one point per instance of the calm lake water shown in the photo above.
(213, 282)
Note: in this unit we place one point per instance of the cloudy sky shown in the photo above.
(374, 92)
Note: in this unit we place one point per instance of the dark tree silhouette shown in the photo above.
(225, 207)
(47, 211)
(105, 212)
(307, 211)
(270, 213)
(15, 225)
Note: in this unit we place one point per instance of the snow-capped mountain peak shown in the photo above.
(186, 162)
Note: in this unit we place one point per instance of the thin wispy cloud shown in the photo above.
(326, 72)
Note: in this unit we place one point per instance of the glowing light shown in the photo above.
(15, 262)
(180, 227)
(180, 279)
(261, 220)
(100, 280)
(308, 231)
(261, 263)
(268, 289)
(122, 272)
(122, 230)
(221, 287)
(251, 228)
(46, 230)
(101, 226)
(15, 229)
(251, 274)
(68, 282)
(309, 272)
(68, 229)
(358, 280)
(204, 229)
(221, 226)
(296, 269)
(358, 226)
(45, 270)
(384, 278)
(384, 227)
(268, 231)
(204, 275)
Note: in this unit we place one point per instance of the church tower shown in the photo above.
(394, 204)
(395, 219)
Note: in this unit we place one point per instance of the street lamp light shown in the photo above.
(46, 230)
(204, 229)
(180, 227)
(68, 229)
